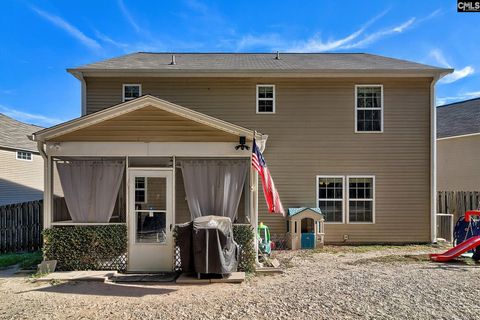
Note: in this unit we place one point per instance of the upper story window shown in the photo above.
(131, 91)
(368, 108)
(24, 155)
(265, 98)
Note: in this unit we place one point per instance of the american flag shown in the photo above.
(269, 191)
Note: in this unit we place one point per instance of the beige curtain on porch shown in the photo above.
(214, 187)
(91, 188)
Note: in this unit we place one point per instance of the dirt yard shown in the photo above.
(338, 283)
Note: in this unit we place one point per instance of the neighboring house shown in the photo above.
(352, 134)
(458, 146)
(21, 166)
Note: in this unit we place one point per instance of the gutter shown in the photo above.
(304, 73)
(80, 76)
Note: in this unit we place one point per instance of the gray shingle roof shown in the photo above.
(13, 134)
(243, 62)
(458, 118)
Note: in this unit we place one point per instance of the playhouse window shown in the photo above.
(330, 197)
(361, 199)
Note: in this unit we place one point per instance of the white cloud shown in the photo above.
(107, 39)
(463, 96)
(374, 37)
(128, 16)
(249, 41)
(37, 119)
(318, 45)
(438, 56)
(69, 28)
(458, 74)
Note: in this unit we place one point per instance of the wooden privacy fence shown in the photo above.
(454, 203)
(457, 202)
(21, 227)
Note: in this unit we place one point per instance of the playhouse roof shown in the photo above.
(295, 211)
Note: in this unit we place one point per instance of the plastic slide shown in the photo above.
(451, 254)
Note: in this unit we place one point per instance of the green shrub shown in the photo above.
(87, 247)
(244, 237)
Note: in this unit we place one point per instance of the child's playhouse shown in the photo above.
(305, 228)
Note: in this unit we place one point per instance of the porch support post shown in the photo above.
(48, 193)
(255, 211)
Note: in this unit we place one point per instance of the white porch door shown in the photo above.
(150, 220)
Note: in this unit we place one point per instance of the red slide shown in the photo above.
(463, 247)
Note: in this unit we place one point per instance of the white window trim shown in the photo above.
(131, 84)
(21, 159)
(258, 99)
(382, 108)
(145, 189)
(343, 196)
(348, 198)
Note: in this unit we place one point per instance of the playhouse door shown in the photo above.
(150, 221)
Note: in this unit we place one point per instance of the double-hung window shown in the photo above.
(361, 199)
(265, 98)
(131, 91)
(330, 197)
(368, 108)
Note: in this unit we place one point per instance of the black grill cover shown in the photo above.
(185, 243)
(214, 249)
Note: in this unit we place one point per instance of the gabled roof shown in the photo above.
(139, 103)
(459, 118)
(147, 62)
(295, 211)
(13, 134)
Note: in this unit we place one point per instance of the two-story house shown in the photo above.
(21, 166)
(160, 138)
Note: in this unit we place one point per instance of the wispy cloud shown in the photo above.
(69, 28)
(128, 16)
(317, 44)
(37, 119)
(107, 39)
(460, 97)
(360, 38)
(437, 55)
(374, 37)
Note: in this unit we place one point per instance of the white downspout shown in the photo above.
(47, 185)
(83, 89)
(433, 160)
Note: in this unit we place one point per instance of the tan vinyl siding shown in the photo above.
(20, 180)
(458, 163)
(148, 124)
(312, 133)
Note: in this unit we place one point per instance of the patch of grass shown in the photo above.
(25, 260)
(342, 249)
(407, 258)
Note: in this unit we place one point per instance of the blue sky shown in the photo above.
(40, 39)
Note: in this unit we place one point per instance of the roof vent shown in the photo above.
(277, 57)
(173, 62)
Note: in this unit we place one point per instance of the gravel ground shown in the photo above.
(339, 283)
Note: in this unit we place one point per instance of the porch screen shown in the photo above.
(91, 188)
(214, 187)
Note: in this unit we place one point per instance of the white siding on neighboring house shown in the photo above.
(20, 180)
(458, 164)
